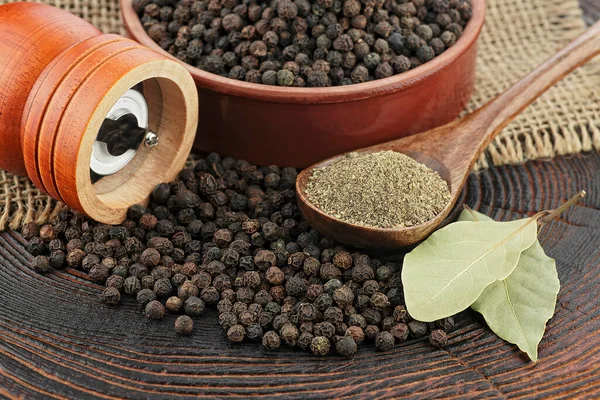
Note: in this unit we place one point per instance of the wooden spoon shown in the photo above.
(452, 149)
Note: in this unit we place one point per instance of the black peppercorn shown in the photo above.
(371, 331)
(187, 290)
(425, 53)
(271, 340)
(379, 301)
(184, 325)
(296, 286)
(400, 314)
(154, 310)
(30, 230)
(111, 296)
(289, 334)
(150, 257)
(417, 328)
(40, 264)
(236, 333)
(305, 340)
(132, 285)
(210, 295)
(320, 346)
(161, 193)
(47, 233)
(148, 222)
(448, 38)
(438, 338)
(400, 331)
(326, 329)
(99, 273)
(163, 287)
(174, 304)
(356, 333)
(447, 324)
(202, 279)
(384, 340)
(145, 296)
(254, 332)
(115, 281)
(193, 306)
(75, 257)
(36, 246)
(346, 346)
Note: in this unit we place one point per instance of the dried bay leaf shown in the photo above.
(518, 307)
(446, 273)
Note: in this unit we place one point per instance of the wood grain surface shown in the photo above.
(57, 340)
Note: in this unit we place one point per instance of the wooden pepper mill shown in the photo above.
(61, 81)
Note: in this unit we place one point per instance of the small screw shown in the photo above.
(151, 139)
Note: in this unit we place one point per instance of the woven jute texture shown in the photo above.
(518, 35)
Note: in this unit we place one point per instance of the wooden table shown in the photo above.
(57, 341)
(591, 10)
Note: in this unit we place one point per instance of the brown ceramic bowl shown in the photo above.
(299, 126)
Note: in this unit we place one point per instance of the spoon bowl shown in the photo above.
(451, 149)
(371, 237)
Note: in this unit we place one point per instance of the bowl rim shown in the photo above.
(335, 94)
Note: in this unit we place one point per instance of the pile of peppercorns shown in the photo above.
(228, 234)
(300, 43)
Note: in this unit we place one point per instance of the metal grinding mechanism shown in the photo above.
(94, 120)
(125, 125)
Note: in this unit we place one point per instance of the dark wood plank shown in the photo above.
(591, 10)
(56, 340)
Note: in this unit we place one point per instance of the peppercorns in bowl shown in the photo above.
(295, 81)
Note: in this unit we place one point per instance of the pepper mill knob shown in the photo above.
(62, 82)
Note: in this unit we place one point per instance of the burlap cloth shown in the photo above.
(518, 35)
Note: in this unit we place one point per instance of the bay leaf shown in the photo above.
(518, 307)
(447, 272)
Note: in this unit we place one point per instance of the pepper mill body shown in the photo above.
(60, 78)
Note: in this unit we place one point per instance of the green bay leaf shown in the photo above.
(518, 307)
(447, 272)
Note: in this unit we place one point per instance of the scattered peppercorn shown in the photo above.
(40, 264)
(272, 278)
(384, 341)
(236, 333)
(154, 310)
(184, 325)
(174, 304)
(111, 296)
(438, 338)
(271, 340)
(145, 296)
(320, 346)
(193, 306)
(346, 346)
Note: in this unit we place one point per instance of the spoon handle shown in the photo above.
(498, 113)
